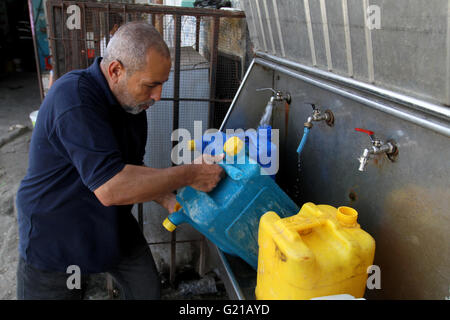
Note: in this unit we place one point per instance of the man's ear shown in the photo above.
(115, 71)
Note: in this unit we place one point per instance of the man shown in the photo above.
(86, 170)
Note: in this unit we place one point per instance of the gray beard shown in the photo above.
(137, 109)
(132, 110)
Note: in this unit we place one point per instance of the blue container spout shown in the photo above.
(303, 141)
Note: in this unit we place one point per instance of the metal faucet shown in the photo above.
(378, 147)
(318, 115)
(277, 95)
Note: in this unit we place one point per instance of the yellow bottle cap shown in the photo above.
(347, 216)
(233, 146)
(169, 225)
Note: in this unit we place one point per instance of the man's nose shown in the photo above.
(156, 93)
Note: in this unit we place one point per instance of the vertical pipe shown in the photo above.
(277, 19)
(448, 54)
(272, 43)
(255, 32)
(68, 53)
(173, 255)
(141, 216)
(369, 49)
(197, 33)
(202, 263)
(214, 44)
(175, 124)
(159, 25)
(63, 40)
(51, 36)
(348, 44)
(326, 34)
(84, 35)
(107, 25)
(36, 54)
(176, 74)
(310, 33)
(110, 286)
(97, 35)
(261, 25)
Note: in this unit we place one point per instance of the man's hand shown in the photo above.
(206, 173)
(168, 201)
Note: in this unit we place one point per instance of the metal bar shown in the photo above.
(108, 27)
(420, 120)
(261, 25)
(173, 256)
(326, 34)
(83, 13)
(269, 27)
(110, 286)
(202, 262)
(310, 33)
(97, 36)
(235, 288)
(448, 54)
(197, 34)
(69, 54)
(161, 9)
(214, 44)
(238, 93)
(348, 44)
(63, 42)
(420, 105)
(141, 216)
(253, 16)
(369, 48)
(52, 43)
(160, 24)
(153, 19)
(125, 13)
(36, 54)
(280, 35)
(176, 73)
(175, 123)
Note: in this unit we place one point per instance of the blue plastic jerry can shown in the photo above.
(258, 146)
(229, 215)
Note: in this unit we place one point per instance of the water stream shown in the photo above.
(297, 186)
(265, 120)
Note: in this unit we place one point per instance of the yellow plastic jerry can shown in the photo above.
(321, 251)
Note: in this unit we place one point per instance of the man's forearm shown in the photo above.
(136, 184)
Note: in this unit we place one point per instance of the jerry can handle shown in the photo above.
(232, 171)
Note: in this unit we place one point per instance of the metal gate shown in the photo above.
(79, 31)
(209, 53)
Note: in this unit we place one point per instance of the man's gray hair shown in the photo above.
(131, 43)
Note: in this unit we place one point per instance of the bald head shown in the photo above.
(131, 43)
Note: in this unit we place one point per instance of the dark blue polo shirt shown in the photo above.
(81, 140)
